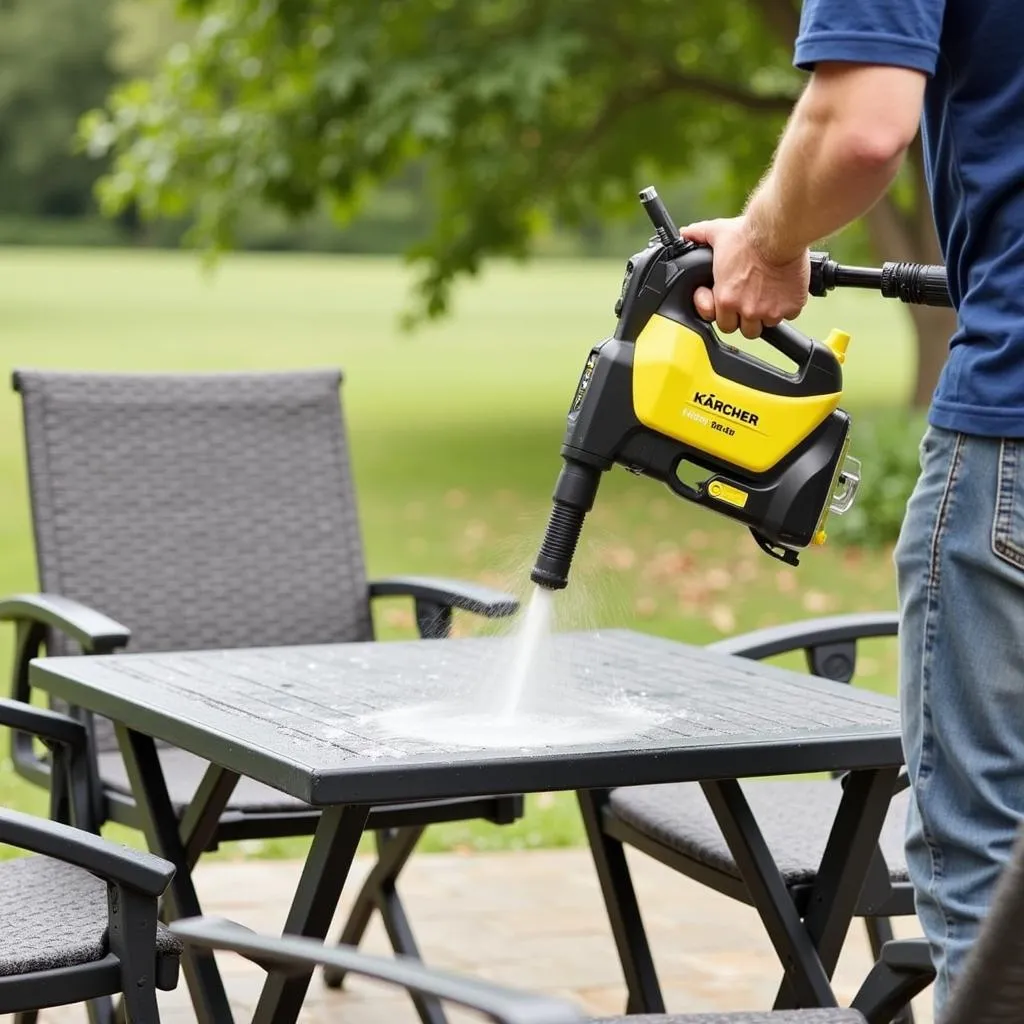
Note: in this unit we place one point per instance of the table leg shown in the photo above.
(327, 865)
(809, 949)
(164, 836)
(769, 894)
(844, 867)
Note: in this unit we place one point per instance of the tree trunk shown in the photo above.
(910, 235)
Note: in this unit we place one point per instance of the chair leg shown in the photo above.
(399, 932)
(26, 1017)
(880, 932)
(101, 1011)
(623, 910)
(132, 936)
(394, 848)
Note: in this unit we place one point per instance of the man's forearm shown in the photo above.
(827, 172)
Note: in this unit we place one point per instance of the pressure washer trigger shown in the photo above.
(783, 554)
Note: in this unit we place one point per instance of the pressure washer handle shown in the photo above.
(697, 272)
(919, 284)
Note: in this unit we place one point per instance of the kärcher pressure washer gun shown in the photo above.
(666, 398)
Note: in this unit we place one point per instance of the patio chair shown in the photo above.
(190, 511)
(78, 918)
(675, 825)
(990, 990)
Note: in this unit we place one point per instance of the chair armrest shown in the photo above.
(908, 955)
(507, 1006)
(93, 630)
(795, 636)
(135, 869)
(49, 726)
(470, 597)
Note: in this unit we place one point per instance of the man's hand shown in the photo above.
(842, 147)
(750, 292)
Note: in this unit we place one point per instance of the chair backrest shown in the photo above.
(200, 510)
(991, 987)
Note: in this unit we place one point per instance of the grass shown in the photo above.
(455, 434)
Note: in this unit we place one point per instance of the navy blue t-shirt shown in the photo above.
(973, 135)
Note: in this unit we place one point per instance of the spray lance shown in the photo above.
(664, 397)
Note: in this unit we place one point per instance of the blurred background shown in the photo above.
(440, 199)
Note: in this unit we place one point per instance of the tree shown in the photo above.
(53, 67)
(521, 112)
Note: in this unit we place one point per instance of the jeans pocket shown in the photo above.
(1008, 519)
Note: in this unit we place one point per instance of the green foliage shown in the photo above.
(887, 446)
(53, 67)
(523, 114)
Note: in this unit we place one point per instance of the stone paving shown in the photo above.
(529, 919)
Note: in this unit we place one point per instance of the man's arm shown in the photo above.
(841, 150)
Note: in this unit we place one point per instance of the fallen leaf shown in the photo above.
(697, 539)
(545, 801)
(786, 581)
(746, 571)
(475, 531)
(718, 578)
(667, 564)
(645, 607)
(455, 499)
(619, 557)
(722, 618)
(400, 618)
(817, 601)
(414, 510)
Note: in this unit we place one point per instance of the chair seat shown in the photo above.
(55, 915)
(184, 771)
(827, 1016)
(795, 818)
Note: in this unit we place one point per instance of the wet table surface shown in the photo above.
(387, 722)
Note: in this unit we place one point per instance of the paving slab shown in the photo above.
(531, 919)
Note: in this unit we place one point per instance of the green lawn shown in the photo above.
(455, 434)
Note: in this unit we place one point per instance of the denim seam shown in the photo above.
(1003, 545)
(934, 579)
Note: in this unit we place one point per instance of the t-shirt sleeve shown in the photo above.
(904, 33)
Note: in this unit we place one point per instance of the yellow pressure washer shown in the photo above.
(666, 398)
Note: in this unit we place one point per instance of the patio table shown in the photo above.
(300, 719)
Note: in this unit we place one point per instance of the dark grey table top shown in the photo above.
(393, 721)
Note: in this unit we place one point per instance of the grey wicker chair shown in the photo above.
(675, 824)
(78, 918)
(180, 511)
(990, 991)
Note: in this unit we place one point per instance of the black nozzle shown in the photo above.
(917, 284)
(573, 499)
(660, 217)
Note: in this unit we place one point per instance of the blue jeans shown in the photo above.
(960, 572)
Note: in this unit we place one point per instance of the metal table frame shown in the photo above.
(809, 947)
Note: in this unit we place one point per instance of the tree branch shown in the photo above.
(782, 17)
(729, 92)
(666, 83)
